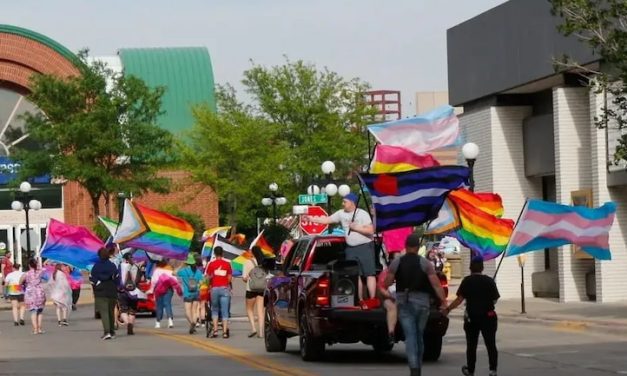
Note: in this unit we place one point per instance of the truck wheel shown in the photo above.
(274, 342)
(382, 347)
(433, 347)
(311, 348)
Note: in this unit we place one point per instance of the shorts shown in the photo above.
(36, 310)
(191, 300)
(19, 298)
(127, 304)
(253, 294)
(364, 255)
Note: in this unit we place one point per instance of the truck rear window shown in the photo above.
(326, 252)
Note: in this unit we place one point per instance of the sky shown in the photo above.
(393, 44)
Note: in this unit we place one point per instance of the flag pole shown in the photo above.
(503, 254)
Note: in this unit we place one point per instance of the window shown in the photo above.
(326, 252)
(297, 257)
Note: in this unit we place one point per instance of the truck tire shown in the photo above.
(433, 347)
(382, 346)
(274, 341)
(311, 348)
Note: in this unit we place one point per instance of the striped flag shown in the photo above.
(72, 245)
(261, 242)
(545, 224)
(423, 133)
(411, 198)
(398, 159)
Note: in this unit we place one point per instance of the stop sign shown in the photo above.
(311, 228)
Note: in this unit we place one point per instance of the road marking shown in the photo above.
(251, 360)
(571, 326)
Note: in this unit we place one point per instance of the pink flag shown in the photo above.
(398, 159)
(394, 240)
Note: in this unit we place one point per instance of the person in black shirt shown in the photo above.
(105, 280)
(480, 293)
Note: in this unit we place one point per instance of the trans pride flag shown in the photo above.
(422, 133)
(545, 224)
(72, 245)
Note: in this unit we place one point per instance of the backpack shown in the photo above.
(192, 282)
(257, 279)
(130, 284)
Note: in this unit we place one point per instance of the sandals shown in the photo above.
(225, 334)
(252, 334)
(214, 334)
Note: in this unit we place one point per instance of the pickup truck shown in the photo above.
(314, 296)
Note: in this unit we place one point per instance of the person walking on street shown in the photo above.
(15, 290)
(6, 268)
(359, 231)
(415, 278)
(61, 294)
(220, 274)
(34, 295)
(254, 275)
(105, 280)
(191, 276)
(128, 293)
(164, 284)
(76, 281)
(481, 294)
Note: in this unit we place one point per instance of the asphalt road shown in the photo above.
(77, 350)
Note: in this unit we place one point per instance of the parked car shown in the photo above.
(314, 296)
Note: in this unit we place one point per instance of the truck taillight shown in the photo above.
(323, 292)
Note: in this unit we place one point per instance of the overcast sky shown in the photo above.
(393, 44)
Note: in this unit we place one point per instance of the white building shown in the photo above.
(536, 132)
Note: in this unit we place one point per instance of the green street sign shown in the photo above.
(312, 199)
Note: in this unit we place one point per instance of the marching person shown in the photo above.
(481, 294)
(15, 290)
(220, 274)
(163, 284)
(6, 268)
(61, 294)
(129, 294)
(415, 277)
(76, 281)
(191, 276)
(105, 280)
(34, 295)
(359, 231)
(388, 296)
(254, 275)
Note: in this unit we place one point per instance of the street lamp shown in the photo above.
(274, 199)
(24, 201)
(470, 152)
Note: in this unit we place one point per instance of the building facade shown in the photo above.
(187, 76)
(537, 137)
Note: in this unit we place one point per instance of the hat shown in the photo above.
(413, 240)
(191, 259)
(351, 197)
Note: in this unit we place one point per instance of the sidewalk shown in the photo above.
(577, 316)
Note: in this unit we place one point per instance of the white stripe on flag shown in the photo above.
(409, 197)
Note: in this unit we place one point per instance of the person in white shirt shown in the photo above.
(15, 291)
(359, 231)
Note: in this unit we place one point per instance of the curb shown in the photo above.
(567, 324)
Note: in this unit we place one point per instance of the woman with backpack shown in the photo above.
(191, 276)
(254, 275)
(129, 294)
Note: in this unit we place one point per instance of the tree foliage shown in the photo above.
(298, 117)
(602, 25)
(99, 130)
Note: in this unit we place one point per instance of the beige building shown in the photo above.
(427, 101)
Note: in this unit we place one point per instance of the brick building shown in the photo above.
(538, 139)
(187, 75)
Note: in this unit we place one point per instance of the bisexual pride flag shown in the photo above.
(72, 245)
(411, 198)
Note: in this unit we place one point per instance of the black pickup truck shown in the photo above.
(314, 296)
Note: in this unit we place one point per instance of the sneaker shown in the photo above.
(112, 336)
(65, 323)
(492, 373)
(73, 307)
(106, 337)
(59, 322)
(22, 323)
(192, 328)
(467, 372)
(157, 325)
(16, 324)
(170, 323)
(129, 330)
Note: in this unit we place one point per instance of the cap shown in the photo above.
(351, 197)
(191, 259)
(413, 240)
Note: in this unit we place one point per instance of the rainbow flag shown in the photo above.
(154, 231)
(398, 159)
(207, 246)
(221, 230)
(261, 242)
(237, 264)
(72, 245)
(481, 228)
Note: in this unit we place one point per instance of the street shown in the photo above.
(77, 350)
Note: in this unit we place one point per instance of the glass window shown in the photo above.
(298, 255)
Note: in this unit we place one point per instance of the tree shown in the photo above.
(99, 130)
(237, 154)
(602, 25)
(321, 115)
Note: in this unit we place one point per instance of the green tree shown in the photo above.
(321, 115)
(602, 25)
(98, 129)
(235, 153)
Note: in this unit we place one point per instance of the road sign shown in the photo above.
(312, 199)
(311, 228)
